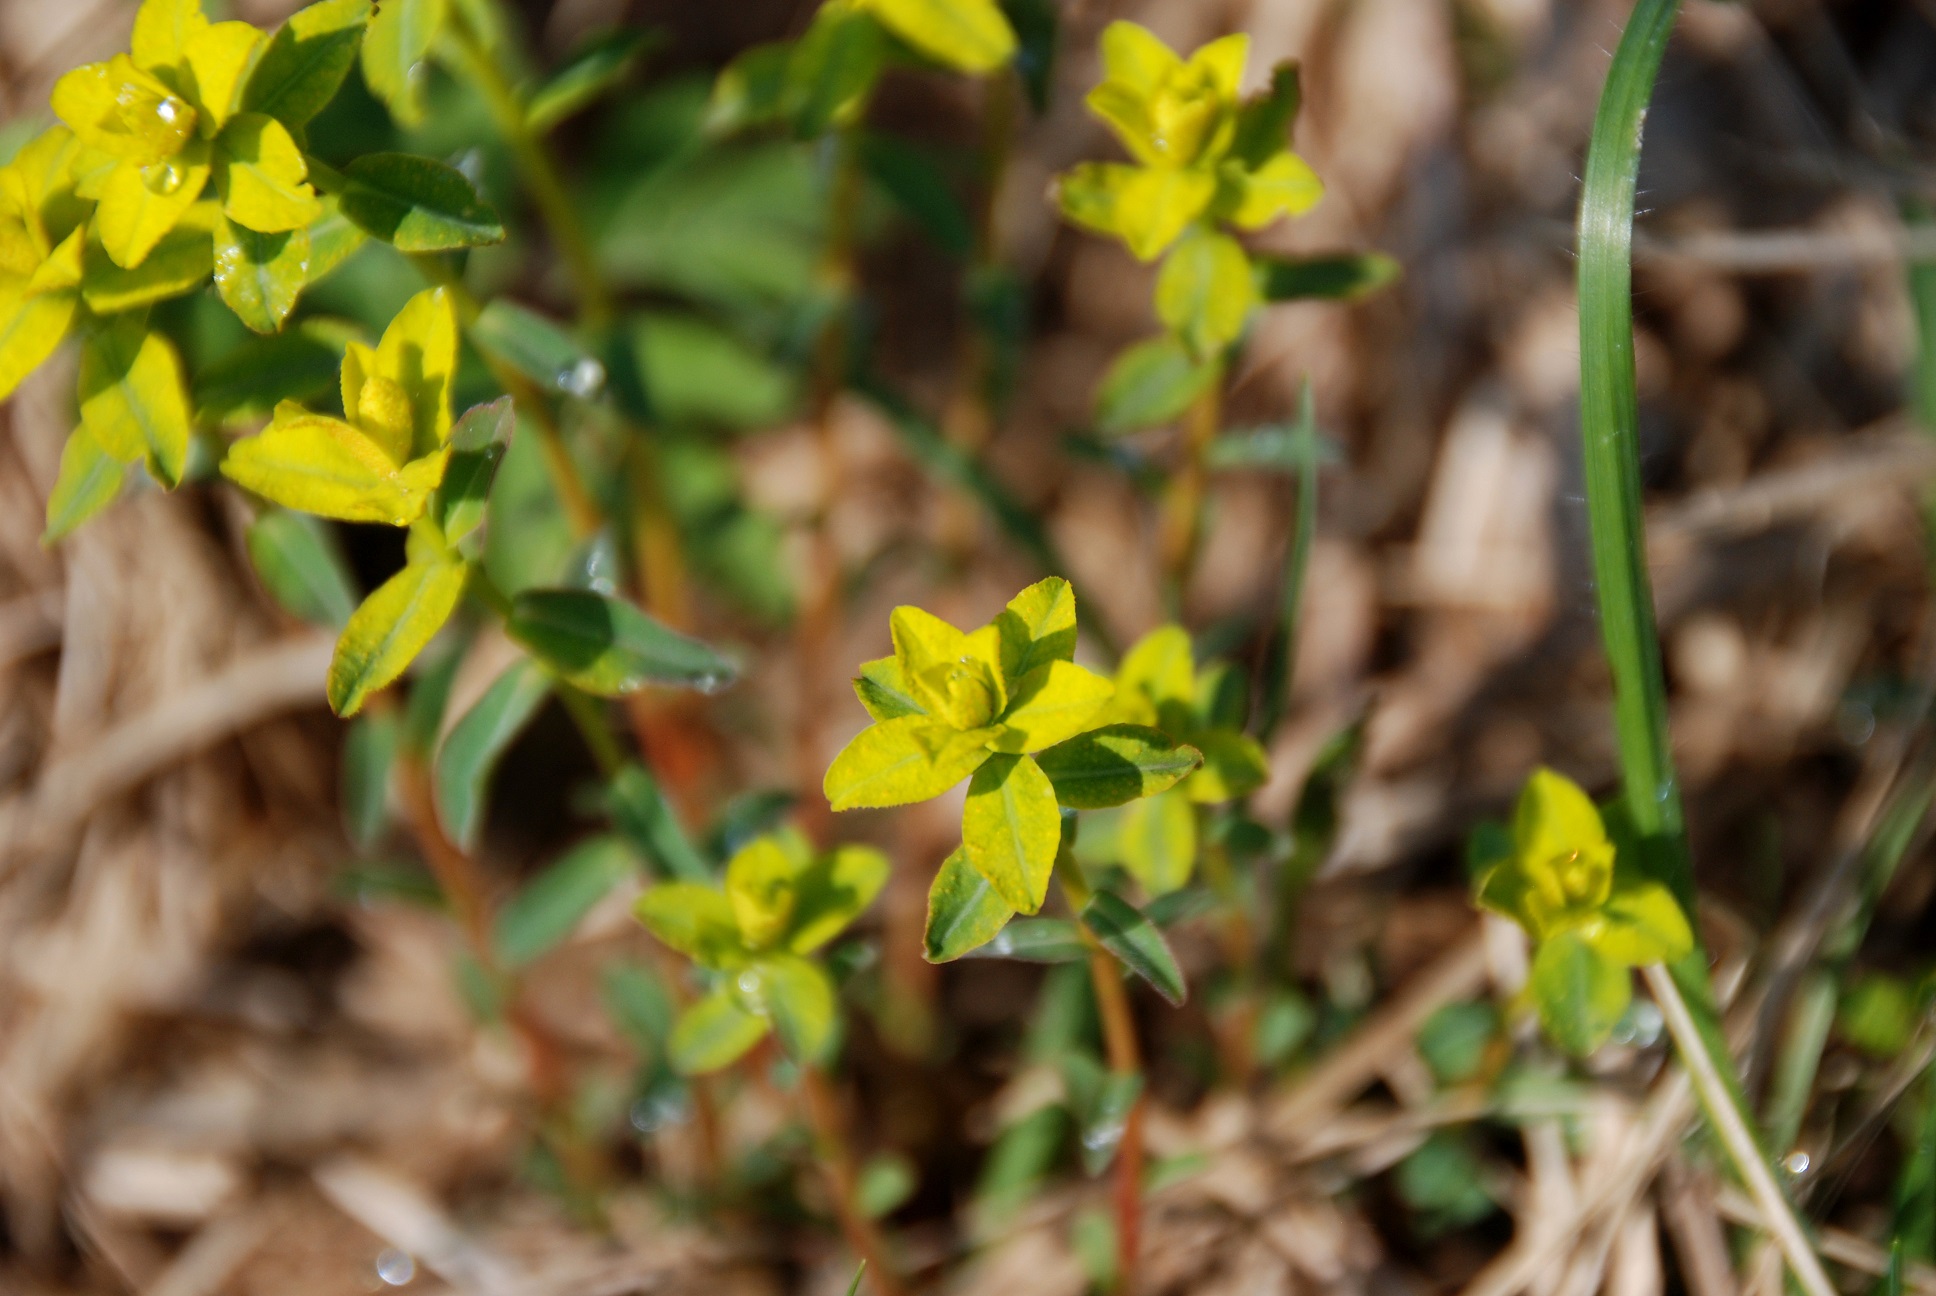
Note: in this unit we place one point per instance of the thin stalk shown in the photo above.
(1125, 1059)
(836, 1160)
(1182, 509)
(1730, 1125)
(1280, 663)
(541, 175)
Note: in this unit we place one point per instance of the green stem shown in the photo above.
(1730, 1126)
(547, 187)
(591, 720)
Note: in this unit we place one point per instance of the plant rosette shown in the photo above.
(1006, 708)
(1592, 917)
(753, 938)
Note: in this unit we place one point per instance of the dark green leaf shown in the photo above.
(1344, 277)
(301, 567)
(641, 812)
(1151, 384)
(305, 62)
(596, 66)
(964, 912)
(369, 752)
(909, 176)
(1115, 764)
(610, 648)
(417, 205)
(260, 275)
(546, 911)
(537, 348)
(1135, 940)
(832, 70)
(479, 441)
(470, 752)
(1034, 22)
(299, 365)
(1265, 121)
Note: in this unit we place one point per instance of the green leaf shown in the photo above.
(423, 710)
(760, 886)
(324, 466)
(696, 373)
(1156, 840)
(1020, 1160)
(1150, 384)
(1205, 291)
(132, 398)
(478, 443)
(301, 567)
(831, 71)
(176, 265)
(799, 999)
(89, 480)
(262, 176)
(639, 1006)
(417, 205)
(394, 50)
(886, 1181)
(306, 60)
(542, 915)
(1454, 1040)
(370, 748)
(1264, 122)
(1445, 1182)
(749, 90)
(608, 647)
(30, 329)
(919, 187)
(332, 238)
(1340, 277)
(596, 66)
(1034, 22)
(260, 275)
(964, 911)
(900, 761)
(1136, 942)
(695, 919)
(831, 892)
(536, 348)
(967, 35)
(713, 1034)
(641, 812)
(470, 752)
(1037, 627)
(1641, 923)
(1117, 763)
(883, 692)
(1036, 940)
(391, 627)
(255, 377)
(1580, 993)
(1053, 702)
(1234, 764)
(1011, 828)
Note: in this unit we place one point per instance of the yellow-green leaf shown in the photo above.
(1152, 383)
(306, 61)
(714, 1033)
(132, 397)
(30, 329)
(899, 761)
(139, 205)
(1089, 194)
(969, 35)
(324, 466)
(956, 677)
(419, 354)
(118, 109)
(1284, 186)
(833, 890)
(1580, 994)
(391, 628)
(89, 480)
(394, 50)
(1037, 627)
(761, 885)
(417, 205)
(1233, 764)
(175, 265)
(1640, 923)
(882, 690)
(1155, 205)
(260, 275)
(162, 32)
(695, 919)
(1134, 57)
(965, 911)
(219, 57)
(1011, 828)
(263, 178)
(1159, 668)
(1056, 700)
(1156, 840)
(1205, 291)
(332, 238)
(799, 1000)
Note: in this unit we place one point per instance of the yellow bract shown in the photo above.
(970, 35)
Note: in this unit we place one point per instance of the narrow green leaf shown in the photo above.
(1135, 940)
(1151, 384)
(696, 372)
(301, 567)
(596, 66)
(89, 480)
(1341, 277)
(423, 712)
(964, 911)
(714, 1033)
(370, 747)
(306, 61)
(540, 917)
(642, 813)
(391, 627)
(475, 744)
(1117, 763)
(417, 205)
(536, 348)
(1020, 1160)
(909, 176)
(608, 647)
(1156, 840)
(260, 275)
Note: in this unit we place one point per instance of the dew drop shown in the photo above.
(583, 379)
(395, 1267)
(1108, 1134)
(749, 982)
(1796, 1163)
(166, 180)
